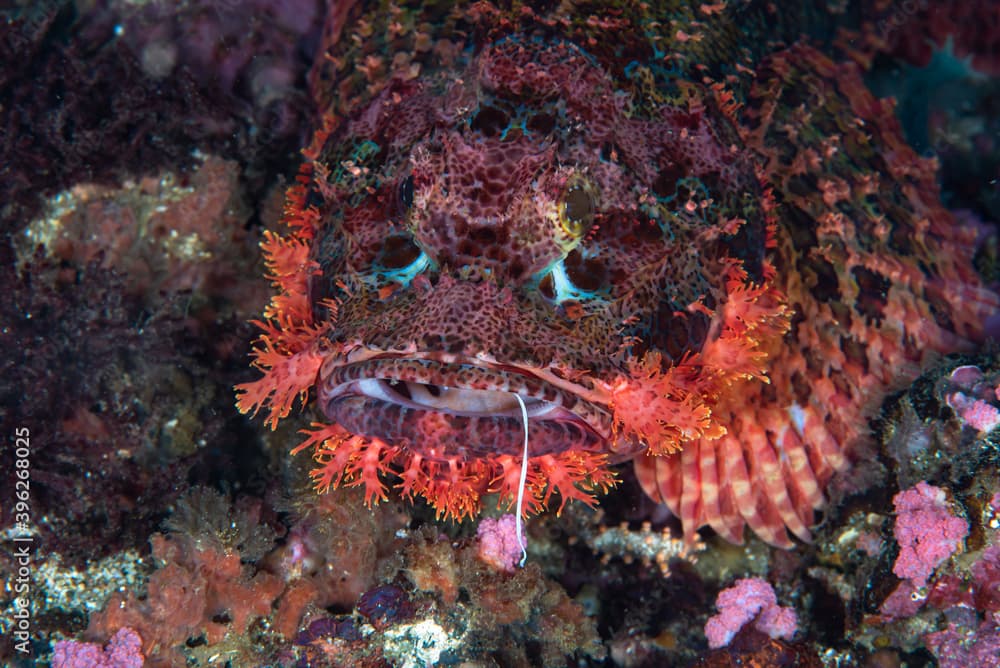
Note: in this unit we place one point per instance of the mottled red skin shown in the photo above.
(485, 212)
(658, 241)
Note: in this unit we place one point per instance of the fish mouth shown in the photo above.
(465, 407)
(454, 400)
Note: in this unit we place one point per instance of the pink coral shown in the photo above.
(498, 542)
(749, 599)
(926, 531)
(976, 413)
(971, 402)
(949, 591)
(122, 651)
(959, 646)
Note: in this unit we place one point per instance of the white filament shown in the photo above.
(520, 487)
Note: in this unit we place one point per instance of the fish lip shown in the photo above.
(447, 399)
(477, 388)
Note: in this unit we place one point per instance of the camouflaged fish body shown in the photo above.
(713, 268)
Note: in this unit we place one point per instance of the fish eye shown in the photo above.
(576, 210)
(406, 193)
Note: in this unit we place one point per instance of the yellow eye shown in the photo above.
(577, 207)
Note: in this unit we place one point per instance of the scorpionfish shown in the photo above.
(619, 233)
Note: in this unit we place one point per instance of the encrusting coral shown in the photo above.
(201, 588)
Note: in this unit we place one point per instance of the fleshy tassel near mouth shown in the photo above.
(433, 437)
(454, 486)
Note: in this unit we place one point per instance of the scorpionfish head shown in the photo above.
(527, 226)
